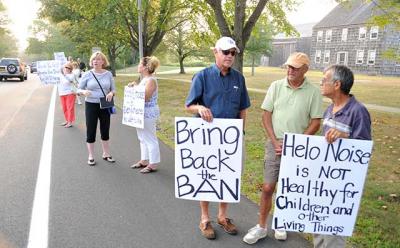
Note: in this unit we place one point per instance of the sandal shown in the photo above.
(68, 125)
(91, 162)
(138, 165)
(109, 159)
(147, 169)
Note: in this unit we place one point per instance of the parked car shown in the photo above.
(13, 68)
(33, 67)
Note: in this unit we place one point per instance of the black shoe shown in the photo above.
(109, 159)
(91, 162)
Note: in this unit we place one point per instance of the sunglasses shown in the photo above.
(293, 68)
(227, 52)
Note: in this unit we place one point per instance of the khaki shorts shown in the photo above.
(272, 163)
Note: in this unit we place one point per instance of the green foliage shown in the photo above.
(238, 18)
(8, 42)
(49, 39)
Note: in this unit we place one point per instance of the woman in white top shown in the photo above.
(67, 95)
(149, 148)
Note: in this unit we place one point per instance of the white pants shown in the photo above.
(149, 148)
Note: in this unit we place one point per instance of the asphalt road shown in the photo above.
(108, 205)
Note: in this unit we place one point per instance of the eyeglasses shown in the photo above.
(227, 52)
(325, 80)
(293, 68)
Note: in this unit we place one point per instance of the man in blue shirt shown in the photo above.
(344, 118)
(219, 91)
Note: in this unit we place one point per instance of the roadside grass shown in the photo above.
(369, 89)
(133, 69)
(378, 218)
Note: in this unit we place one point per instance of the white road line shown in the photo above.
(39, 229)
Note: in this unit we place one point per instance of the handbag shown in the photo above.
(103, 102)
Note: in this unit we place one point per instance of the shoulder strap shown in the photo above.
(98, 83)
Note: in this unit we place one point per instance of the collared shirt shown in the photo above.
(353, 119)
(292, 109)
(225, 95)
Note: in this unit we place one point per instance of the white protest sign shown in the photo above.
(133, 107)
(208, 159)
(60, 56)
(49, 71)
(320, 185)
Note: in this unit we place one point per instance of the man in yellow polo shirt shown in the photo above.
(292, 105)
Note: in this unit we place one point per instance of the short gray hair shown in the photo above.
(344, 75)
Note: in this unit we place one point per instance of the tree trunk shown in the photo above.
(181, 65)
(253, 58)
(112, 57)
(241, 30)
(238, 65)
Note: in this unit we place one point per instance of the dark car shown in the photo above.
(12, 68)
(33, 67)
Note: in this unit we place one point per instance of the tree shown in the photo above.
(49, 39)
(186, 40)
(259, 44)
(89, 24)
(118, 20)
(233, 23)
(8, 42)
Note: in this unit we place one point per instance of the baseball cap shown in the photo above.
(297, 60)
(226, 43)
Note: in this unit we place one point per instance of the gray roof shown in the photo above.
(305, 30)
(345, 14)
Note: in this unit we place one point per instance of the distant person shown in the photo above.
(90, 87)
(344, 118)
(292, 105)
(67, 95)
(149, 147)
(82, 65)
(219, 91)
(77, 74)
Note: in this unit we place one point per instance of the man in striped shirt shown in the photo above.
(344, 118)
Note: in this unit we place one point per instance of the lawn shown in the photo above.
(378, 218)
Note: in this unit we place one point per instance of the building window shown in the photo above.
(318, 56)
(371, 57)
(341, 58)
(359, 57)
(362, 34)
(320, 34)
(327, 56)
(374, 33)
(344, 34)
(328, 36)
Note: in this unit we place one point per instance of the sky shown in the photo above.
(311, 11)
(23, 12)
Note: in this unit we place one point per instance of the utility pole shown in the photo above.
(140, 28)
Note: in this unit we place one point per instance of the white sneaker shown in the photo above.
(280, 234)
(255, 234)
